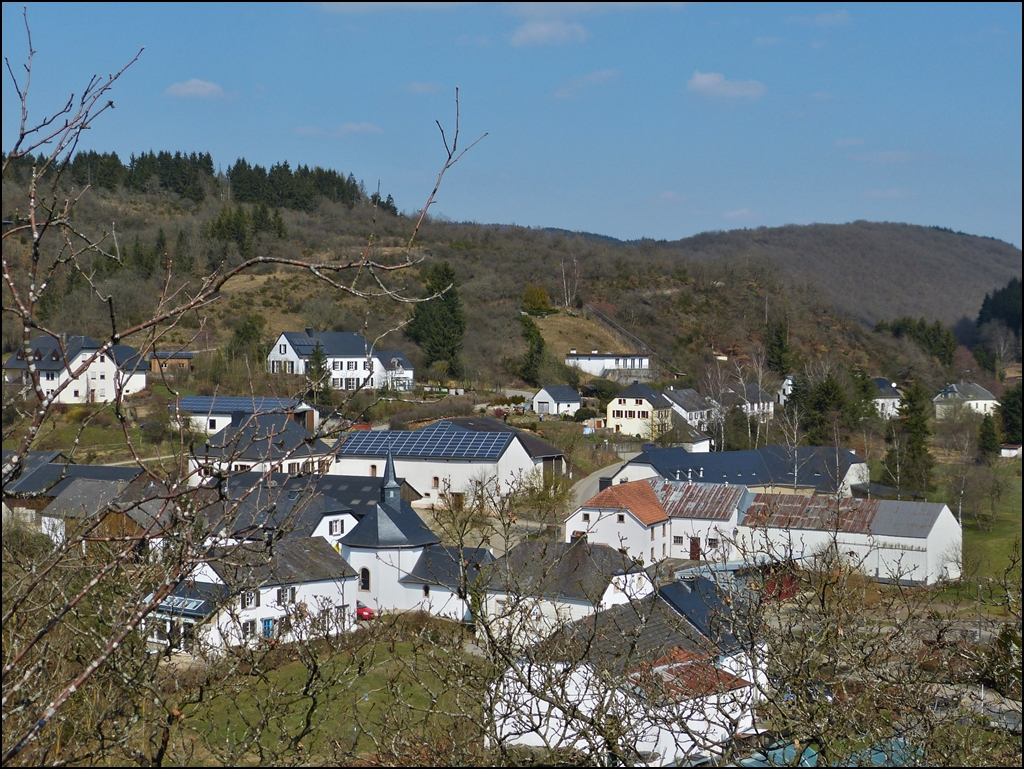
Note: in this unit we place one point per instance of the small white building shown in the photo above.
(352, 362)
(556, 400)
(450, 457)
(211, 414)
(73, 370)
(694, 408)
(611, 365)
(966, 395)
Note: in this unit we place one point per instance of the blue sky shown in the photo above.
(632, 121)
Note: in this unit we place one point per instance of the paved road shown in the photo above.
(586, 488)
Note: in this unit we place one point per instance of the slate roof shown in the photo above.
(225, 404)
(185, 354)
(49, 479)
(626, 636)
(700, 601)
(767, 466)
(128, 358)
(389, 527)
(257, 507)
(881, 517)
(30, 460)
(561, 393)
(265, 437)
(689, 400)
(147, 502)
(652, 396)
(968, 391)
(575, 571)
(85, 498)
(534, 446)
(340, 344)
(886, 388)
(291, 561)
(440, 565)
(47, 354)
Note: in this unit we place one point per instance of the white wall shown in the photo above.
(553, 406)
(346, 373)
(97, 384)
(598, 364)
(386, 567)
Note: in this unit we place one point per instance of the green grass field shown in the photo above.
(987, 553)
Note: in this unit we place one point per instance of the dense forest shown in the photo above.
(795, 294)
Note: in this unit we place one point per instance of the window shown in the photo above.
(367, 365)
(76, 394)
(50, 376)
(351, 365)
(664, 529)
(103, 375)
(282, 349)
(351, 383)
(663, 551)
(638, 401)
(335, 364)
(293, 468)
(291, 367)
(213, 424)
(285, 595)
(336, 528)
(435, 483)
(249, 628)
(652, 534)
(92, 375)
(250, 599)
(712, 543)
(678, 541)
(652, 554)
(426, 591)
(616, 414)
(242, 468)
(103, 392)
(373, 471)
(644, 415)
(630, 415)
(622, 401)
(269, 628)
(323, 466)
(620, 518)
(364, 579)
(586, 517)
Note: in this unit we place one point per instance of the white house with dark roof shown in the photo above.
(966, 395)
(693, 407)
(450, 456)
(887, 398)
(74, 370)
(556, 400)
(620, 366)
(352, 362)
(212, 413)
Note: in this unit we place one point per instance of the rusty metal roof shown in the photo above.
(881, 517)
(709, 501)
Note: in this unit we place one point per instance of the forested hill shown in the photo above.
(875, 270)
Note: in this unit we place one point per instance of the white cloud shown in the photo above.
(739, 213)
(195, 89)
(570, 87)
(883, 158)
(553, 32)
(890, 194)
(851, 142)
(347, 129)
(422, 88)
(714, 84)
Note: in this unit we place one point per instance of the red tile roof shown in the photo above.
(638, 497)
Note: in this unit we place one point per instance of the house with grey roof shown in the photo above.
(953, 398)
(666, 669)
(887, 398)
(352, 361)
(212, 413)
(617, 366)
(265, 443)
(298, 587)
(556, 400)
(640, 410)
(446, 460)
(693, 407)
(800, 469)
(75, 369)
(539, 585)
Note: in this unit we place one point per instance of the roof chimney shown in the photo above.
(701, 473)
(604, 483)
(309, 331)
(593, 352)
(572, 351)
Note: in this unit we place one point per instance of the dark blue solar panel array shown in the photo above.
(224, 404)
(439, 440)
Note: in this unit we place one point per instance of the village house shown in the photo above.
(693, 407)
(74, 370)
(172, 362)
(641, 411)
(888, 398)
(556, 400)
(451, 457)
(539, 585)
(617, 366)
(953, 398)
(211, 414)
(665, 669)
(800, 469)
(351, 362)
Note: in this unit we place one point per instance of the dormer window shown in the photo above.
(55, 355)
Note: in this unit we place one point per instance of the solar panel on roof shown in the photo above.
(439, 440)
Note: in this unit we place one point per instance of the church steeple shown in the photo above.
(390, 493)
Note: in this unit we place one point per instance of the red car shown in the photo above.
(364, 612)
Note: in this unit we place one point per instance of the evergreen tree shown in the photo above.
(530, 370)
(248, 341)
(908, 442)
(827, 405)
(1010, 414)
(988, 439)
(438, 326)
(319, 376)
(780, 356)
